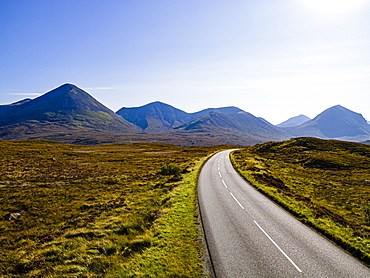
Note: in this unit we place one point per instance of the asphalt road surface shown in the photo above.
(249, 236)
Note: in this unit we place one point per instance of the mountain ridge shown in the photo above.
(158, 116)
(243, 123)
(69, 113)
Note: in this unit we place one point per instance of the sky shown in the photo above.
(273, 58)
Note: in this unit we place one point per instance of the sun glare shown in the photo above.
(334, 7)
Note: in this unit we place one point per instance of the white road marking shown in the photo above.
(236, 200)
(278, 247)
(224, 183)
(219, 173)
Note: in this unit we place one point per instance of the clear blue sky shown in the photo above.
(273, 58)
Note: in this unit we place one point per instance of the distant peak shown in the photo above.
(294, 121)
(159, 104)
(338, 108)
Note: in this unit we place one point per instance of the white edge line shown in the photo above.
(278, 247)
(236, 200)
(224, 183)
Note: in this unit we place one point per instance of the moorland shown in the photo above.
(116, 210)
(130, 210)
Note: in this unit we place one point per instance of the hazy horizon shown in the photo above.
(274, 59)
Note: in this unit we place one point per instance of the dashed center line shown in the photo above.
(255, 222)
(236, 200)
(224, 183)
(277, 246)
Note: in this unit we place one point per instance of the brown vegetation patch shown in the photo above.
(270, 181)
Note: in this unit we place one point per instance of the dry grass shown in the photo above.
(79, 211)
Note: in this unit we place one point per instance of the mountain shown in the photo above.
(240, 127)
(66, 108)
(336, 122)
(155, 116)
(294, 121)
(158, 116)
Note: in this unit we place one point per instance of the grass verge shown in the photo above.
(176, 249)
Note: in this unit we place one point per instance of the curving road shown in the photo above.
(249, 236)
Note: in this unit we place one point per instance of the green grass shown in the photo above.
(175, 251)
(324, 183)
(104, 211)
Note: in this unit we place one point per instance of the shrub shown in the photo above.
(171, 169)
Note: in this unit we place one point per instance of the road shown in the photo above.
(249, 236)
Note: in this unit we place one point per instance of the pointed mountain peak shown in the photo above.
(159, 104)
(68, 105)
(68, 98)
(339, 110)
(294, 121)
(337, 107)
(67, 85)
(65, 88)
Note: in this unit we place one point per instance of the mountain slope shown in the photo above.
(226, 110)
(65, 108)
(6, 109)
(243, 125)
(294, 121)
(158, 116)
(335, 122)
(155, 116)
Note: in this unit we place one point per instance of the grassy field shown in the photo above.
(119, 210)
(129, 210)
(324, 183)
